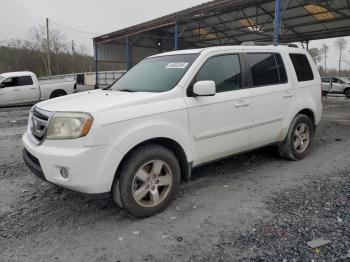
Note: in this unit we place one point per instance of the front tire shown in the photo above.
(298, 140)
(148, 181)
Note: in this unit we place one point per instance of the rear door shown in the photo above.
(29, 90)
(220, 125)
(272, 96)
(10, 92)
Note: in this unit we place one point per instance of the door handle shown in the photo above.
(16, 90)
(242, 104)
(33, 88)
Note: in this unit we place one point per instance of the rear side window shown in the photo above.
(302, 67)
(267, 69)
(25, 81)
(224, 70)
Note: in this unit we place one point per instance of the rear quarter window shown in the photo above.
(302, 67)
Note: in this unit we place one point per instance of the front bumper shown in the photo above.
(33, 164)
(91, 169)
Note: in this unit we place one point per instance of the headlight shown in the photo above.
(69, 125)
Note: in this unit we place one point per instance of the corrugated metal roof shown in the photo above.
(221, 18)
(227, 22)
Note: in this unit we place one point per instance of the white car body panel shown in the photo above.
(206, 128)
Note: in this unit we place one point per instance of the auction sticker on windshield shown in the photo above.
(177, 65)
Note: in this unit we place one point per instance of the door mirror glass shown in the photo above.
(204, 88)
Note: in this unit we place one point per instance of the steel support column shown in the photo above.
(176, 44)
(96, 67)
(128, 53)
(277, 22)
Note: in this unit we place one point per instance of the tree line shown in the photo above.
(31, 54)
(321, 58)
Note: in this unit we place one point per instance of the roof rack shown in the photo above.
(252, 43)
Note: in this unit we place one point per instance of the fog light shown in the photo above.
(64, 172)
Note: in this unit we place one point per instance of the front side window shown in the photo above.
(267, 69)
(224, 70)
(302, 67)
(325, 80)
(155, 74)
(10, 82)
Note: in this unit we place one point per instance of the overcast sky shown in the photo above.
(98, 16)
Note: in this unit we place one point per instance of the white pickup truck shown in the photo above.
(23, 88)
(170, 113)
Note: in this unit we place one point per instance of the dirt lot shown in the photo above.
(255, 207)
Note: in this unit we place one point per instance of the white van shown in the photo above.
(170, 113)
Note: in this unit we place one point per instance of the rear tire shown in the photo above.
(148, 181)
(58, 93)
(298, 140)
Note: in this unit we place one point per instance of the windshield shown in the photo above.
(344, 79)
(1, 78)
(157, 74)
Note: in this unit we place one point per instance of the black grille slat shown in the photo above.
(39, 115)
(39, 121)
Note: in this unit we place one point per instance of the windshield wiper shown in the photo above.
(127, 90)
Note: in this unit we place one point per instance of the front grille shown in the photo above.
(38, 124)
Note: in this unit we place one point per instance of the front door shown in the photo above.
(10, 92)
(220, 124)
(337, 85)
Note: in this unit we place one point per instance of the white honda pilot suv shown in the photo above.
(137, 139)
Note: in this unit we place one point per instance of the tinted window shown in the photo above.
(224, 70)
(11, 81)
(266, 69)
(325, 80)
(25, 81)
(302, 67)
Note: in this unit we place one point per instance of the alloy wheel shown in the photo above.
(301, 137)
(152, 183)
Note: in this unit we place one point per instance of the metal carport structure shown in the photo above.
(224, 22)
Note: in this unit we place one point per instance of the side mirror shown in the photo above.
(2, 85)
(204, 88)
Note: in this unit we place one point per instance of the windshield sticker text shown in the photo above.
(177, 65)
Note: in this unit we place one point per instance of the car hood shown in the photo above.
(94, 101)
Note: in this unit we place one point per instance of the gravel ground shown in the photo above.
(253, 207)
